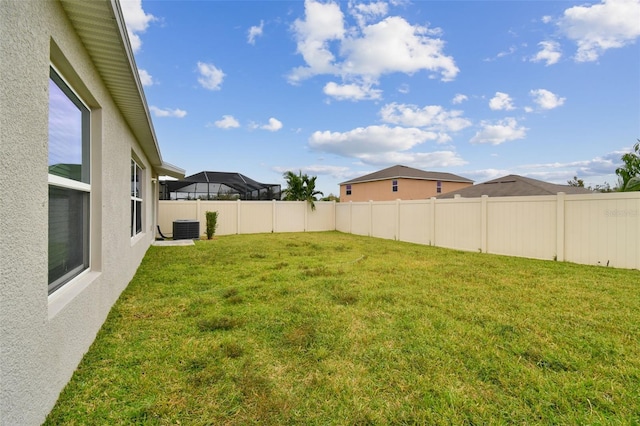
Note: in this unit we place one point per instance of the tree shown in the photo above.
(301, 188)
(576, 182)
(598, 188)
(630, 172)
(331, 197)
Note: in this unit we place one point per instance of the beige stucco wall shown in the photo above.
(43, 337)
(408, 189)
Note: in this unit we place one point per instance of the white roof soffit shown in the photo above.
(101, 27)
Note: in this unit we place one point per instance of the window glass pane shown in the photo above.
(138, 181)
(68, 234)
(133, 179)
(138, 217)
(68, 127)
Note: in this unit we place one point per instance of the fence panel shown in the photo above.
(522, 226)
(290, 216)
(361, 218)
(343, 217)
(255, 217)
(603, 229)
(227, 216)
(323, 218)
(458, 224)
(415, 219)
(384, 220)
(168, 211)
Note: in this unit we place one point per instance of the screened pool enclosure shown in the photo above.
(218, 186)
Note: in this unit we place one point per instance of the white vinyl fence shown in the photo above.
(595, 229)
(250, 217)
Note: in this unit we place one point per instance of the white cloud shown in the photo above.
(502, 54)
(421, 160)
(353, 92)
(338, 172)
(599, 27)
(404, 88)
(484, 175)
(394, 45)
(549, 52)
(255, 31)
(546, 19)
(322, 23)
(459, 98)
(145, 78)
(500, 132)
(227, 122)
(137, 21)
(501, 101)
(210, 76)
(273, 126)
(430, 117)
(363, 53)
(369, 140)
(365, 13)
(546, 99)
(159, 112)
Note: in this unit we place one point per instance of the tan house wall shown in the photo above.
(408, 189)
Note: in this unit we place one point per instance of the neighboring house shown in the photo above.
(513, 186)
(79, 165)
(218, 185)
(401, 182)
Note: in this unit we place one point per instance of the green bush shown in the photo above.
(212, 224)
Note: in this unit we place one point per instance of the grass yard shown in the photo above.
(331, 328)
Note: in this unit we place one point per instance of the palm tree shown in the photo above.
(301, 188)
(629, 174)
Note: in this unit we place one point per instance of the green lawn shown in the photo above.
(331, 328)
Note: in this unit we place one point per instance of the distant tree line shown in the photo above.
(628, 174)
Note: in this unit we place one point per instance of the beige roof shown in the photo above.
(514, 185)
(404, 172)
(101, 27)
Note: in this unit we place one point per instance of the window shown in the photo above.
(69, 183)
(439, 187)
(136, 198)
(394, 185)
(348, 189)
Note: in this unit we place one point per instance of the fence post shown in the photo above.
(334, 216)
(371, 218)
(432, 221)
(560, 226)
(397, 219)
(238, 217)
(273, 216)
(350, 217)
(483, 224)
(306, 210)
(198, 208)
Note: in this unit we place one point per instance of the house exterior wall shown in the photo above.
(42, 337)
(408, 189)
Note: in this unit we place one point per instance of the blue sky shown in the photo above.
(544, 89)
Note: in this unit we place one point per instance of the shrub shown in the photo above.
(212, 224)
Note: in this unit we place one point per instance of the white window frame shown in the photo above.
(136, 197)
(71, 184)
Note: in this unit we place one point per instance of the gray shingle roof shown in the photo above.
(512, 186)
(399, 172)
